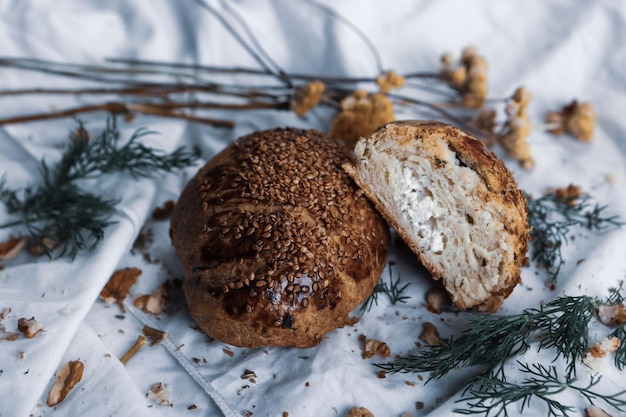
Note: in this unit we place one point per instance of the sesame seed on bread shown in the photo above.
(277, 243)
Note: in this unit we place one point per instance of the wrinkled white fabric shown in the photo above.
(559, 50)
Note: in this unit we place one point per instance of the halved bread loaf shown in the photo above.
(453, 202)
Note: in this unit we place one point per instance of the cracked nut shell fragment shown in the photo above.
(66, 379)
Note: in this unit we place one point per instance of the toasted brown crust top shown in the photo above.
(276, 242)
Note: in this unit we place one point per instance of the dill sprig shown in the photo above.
(59, 213)
(552, 217)
(392, 289)
(490, 393)
(489, 340)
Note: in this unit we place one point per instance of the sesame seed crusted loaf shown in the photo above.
(276, 241)
(453, 202)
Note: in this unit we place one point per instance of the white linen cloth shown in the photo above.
(559, 50)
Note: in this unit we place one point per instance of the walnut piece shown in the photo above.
(159, 394)
(29, 327)
(10, 248)
(119, 285)
(359, 412)
(430, 334)
(66, 378)
(153, 303)
(375, 347)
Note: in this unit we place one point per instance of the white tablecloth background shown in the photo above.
(560, 50)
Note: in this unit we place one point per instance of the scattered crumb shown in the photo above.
(419, 405)
(228, 352)
(610, 178)
(20, 355)
(409, 383)
(164, 211)
(248, 374)
(430, 334)
(192, 407)
(436, 298)
(381, 375)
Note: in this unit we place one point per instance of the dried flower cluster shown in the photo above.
(467, 75)
(517, 129)
(389, 80)
(29, 327)
(373, 347)
(576, 119)
(307, 97)
(361, 114)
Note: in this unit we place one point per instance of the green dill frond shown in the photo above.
(563, 324)
(489, 394)
(552, 217)
(392, 289)
(60, 215)
(489, 340)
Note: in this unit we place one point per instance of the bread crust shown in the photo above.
(501, 190)
(277, 244)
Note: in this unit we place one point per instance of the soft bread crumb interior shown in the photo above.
(443, 208)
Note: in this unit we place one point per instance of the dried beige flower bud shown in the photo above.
(159, 394)
(29, 327)
(154, 303)
(517, 129)
(569, 193)
(436, 298)
(468, 76)
(577, 119)
(362, 113)
(66, 378)
(359, 412)
(306, 98)
(389, 80)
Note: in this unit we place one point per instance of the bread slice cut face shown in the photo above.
(453, 202)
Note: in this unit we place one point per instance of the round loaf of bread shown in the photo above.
(453, 202)
(276, 241)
